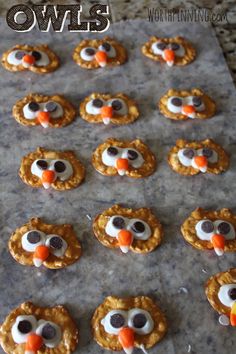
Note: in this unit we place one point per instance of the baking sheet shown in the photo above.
(193, 325)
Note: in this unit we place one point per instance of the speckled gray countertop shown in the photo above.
(193, 325)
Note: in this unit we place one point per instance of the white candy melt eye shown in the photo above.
(158, 47)
(141, 321)
(38, 166)
(94, 106)
(114, 321)
(119, 106)
(50, 332)
(22, 327)
(32, 239)
(225, 228)
(110, 155)
(135, 158)
(88, 53)
(210, 154)
(186, 155)
(140, 229)
(115, 224)
(197, 102)
(108, 48)
(15, 57)
(205, 229)
(31, 109)
(63, 169)
(174, 104)
(41, 58)
(227, 294)
(54, 108)
(177, 48)
(57, 245)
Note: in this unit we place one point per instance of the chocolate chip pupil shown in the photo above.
(48, 331)
(117, 320)
(33, 106)
(139, 320)
(112, 151)
(36, 55)
(232, 293)
(42, 164)
(174, 46)
(161, 46)
(207, 226)
(188, 153)
(116, 105)
(59, 166)
(90, 51)
(207, 152)
(33, 237)
(19, 55)
(97, 103)
(51, 106)
(118, 222)
(176, 101)
(138, 226)
(197, 101)
(132, 155)
(56, 243)
(24, 326)
(223, 228)
(106, 46)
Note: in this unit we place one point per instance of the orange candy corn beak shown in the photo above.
(233, 315)
(218, 242)
(126, 339)
(41, 253)
(28, 60)
(106, 113)
(189, 111)
(48, 177)
(33, 344)
(125, 239)
(122, 166)
(201, 163)
(43, 118)
(169, 56)
(101, 58)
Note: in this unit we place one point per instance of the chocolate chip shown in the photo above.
(207, 226)
(174, 46)
(97, 103)
(19, 54)
(176, 101)
(223, 228)
(188, 153)
(232, 293)
(59, 166)
(48, 332)
(24, 326)
(132, 155)
(207, 152)
(116, 105)
(90, 51)
(56, 242)
(37, 56)
(42, 164)
(139, 320)
(106, 46)
(33, 106)
(138, 227)
(161, 45)
(118, 223)
(112, 151)
(33, 237)
(197, 101)
(117, 320)
(51, 106)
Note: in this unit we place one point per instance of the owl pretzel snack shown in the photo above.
(48, 111)
(39, 58)
(221, 293)
(172, 51)
(96, 53)
(60, 170)
(192, 157)
(30, 329)
(137, 230)
(131, 158)
(117, 109)
(128, 323)
(183, 104)
(37, 243)
(207, 230)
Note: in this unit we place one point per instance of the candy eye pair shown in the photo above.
(139, 228)
(159, 47)
(175, 104)
(118, 106)
(32, 109)
(137, 319)
(206, 228)
(186, 155)
(35, 57)
(227, 294)
(59, 166)
(89, 53)
(24, 325)
(131, 153)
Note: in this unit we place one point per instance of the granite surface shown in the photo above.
(193, 325)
